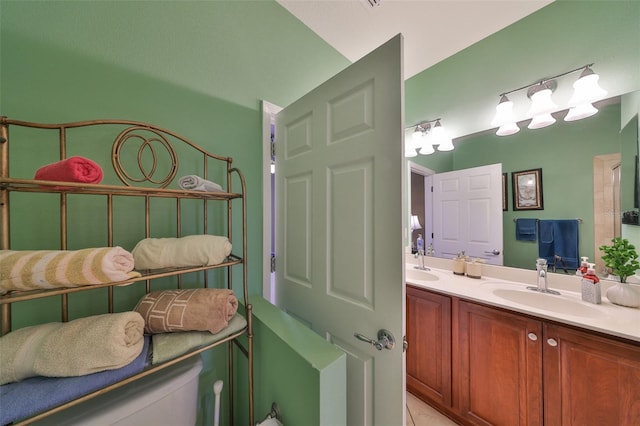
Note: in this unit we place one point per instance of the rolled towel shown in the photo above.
(82, 346)
(72, 169)
(42, 269)
(196, 183)
(199, 309)
(193, 250)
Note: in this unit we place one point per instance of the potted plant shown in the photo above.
(622, 259)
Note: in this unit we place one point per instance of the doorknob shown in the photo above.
(385, 340)
(495, 252)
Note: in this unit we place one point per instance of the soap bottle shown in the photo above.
(420, 244)
(590, 286)
(459, 263)
(584, 266)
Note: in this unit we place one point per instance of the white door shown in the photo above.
(339, 224)
(467, 213)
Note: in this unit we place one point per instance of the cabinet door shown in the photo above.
(429, 351)
(590, 380)
(497, 369)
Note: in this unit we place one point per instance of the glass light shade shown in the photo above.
(416, 136)
(426, 148)
(541, 120)
(438, 134)
(508, 129)
(541, 103)
(409, 148)
(446, 145)
(581, 111)
(586, 89)
(504, 112)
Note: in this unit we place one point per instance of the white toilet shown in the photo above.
(168, 397)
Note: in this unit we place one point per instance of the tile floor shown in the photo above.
(420, 414)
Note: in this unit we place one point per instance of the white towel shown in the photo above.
(194, 250)
(75, 348)
(196, 183)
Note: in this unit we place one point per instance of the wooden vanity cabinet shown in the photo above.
(497, 367)
(429, 350)
(589, 379)
(511, 369)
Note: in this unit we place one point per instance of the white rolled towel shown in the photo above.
(196, 183)
(193, 250)
(75, 348)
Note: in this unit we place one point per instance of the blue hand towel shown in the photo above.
(566, 242)
(526, 229)
(559, 237)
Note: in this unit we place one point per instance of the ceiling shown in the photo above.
(433, 30)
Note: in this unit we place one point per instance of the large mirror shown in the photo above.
(589, 173)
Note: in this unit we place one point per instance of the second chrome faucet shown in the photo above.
(541, 276)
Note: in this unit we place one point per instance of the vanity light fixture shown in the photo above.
(541, 104)
(505, 120)
(586, 91)
(425, 136)
(581, 106)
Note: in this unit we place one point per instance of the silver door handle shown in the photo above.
(385, 340)
(494, 252)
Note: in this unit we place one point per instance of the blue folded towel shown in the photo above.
(31, 396)
(526, 229)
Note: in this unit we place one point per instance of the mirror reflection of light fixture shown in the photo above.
(415, 223)
(425, 136)
(541, 104)
(586, 91)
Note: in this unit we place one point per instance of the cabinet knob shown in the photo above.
(532, 336)
(552, 342)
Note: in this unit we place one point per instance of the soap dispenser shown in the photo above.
(584, 266)
(420, 244)
(590, 286)
(459, 263)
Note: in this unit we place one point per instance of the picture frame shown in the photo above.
(527, 190)
(505, 206)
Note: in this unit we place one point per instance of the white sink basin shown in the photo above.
(412, 274)
(547, 302)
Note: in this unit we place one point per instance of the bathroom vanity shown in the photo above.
(489, 351)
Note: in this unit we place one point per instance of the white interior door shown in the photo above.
(467, 213)
(339, 224)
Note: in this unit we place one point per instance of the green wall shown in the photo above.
(199, 68)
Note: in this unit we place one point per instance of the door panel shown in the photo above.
(339, 224)
(467, 213)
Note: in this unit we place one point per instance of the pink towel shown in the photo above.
(73, 169)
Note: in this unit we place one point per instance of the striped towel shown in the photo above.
(43, 269)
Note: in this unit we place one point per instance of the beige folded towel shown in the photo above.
(82, 346)
(199, 309)
(194, 250)
(42, 269)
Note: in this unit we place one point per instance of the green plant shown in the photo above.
(621, 257)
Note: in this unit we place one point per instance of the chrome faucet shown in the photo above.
(420, 254)
(541, 276)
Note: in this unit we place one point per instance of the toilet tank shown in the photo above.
(167, 397)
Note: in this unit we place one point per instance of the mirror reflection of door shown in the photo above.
(467, 213)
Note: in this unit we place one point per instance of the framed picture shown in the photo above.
(527, 190)
(504, 192)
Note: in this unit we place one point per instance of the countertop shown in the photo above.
(506, 288)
